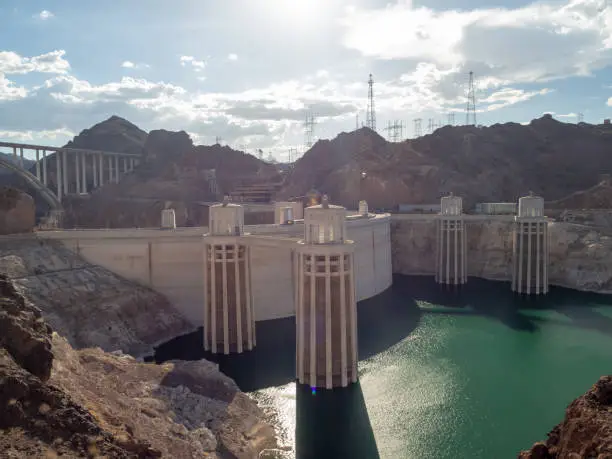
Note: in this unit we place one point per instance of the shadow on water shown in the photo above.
(382, 322)
(495, 300)
(333, 423)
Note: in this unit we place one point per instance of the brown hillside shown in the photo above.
(499, 163)
(596, 197)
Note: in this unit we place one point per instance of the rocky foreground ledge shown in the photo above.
(59, 401)
(586, 431)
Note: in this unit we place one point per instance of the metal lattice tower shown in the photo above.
(357, 121)
(309, 124)
(580, 117)
(418, 132)
(431, 125)
(371, 113)
(395, 131)
(470, 114)
(451, 119)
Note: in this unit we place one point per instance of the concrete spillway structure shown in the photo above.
(451, 244)
(326, 309)
(530, 247)
(229, 319)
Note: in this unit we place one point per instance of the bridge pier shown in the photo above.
(38, 174)
(44, 168)
(77, 166)
(94, 170)
(84, 188)
(65, 172)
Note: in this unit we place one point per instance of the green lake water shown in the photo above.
(475, 374)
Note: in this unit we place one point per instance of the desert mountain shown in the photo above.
(496, 163)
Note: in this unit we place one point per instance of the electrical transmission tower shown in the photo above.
(451, 119)
(395, 131)
(309, 124)
(430, 125)
(580, 117)
(218, 140)
(417, 128)
(470, 114)
(293, 156)
(371, 113)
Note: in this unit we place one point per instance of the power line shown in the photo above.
(371, 113)
(470, 114)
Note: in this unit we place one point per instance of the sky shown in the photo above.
(248, 72)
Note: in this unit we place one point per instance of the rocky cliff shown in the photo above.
(87, 304)
(495, 163)
(580, 256)
(17, 211)
(586, 431)
(59, 401)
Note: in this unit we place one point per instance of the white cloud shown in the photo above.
(45, 15)
(52, 62)
(535, 43)
(8, 90)
(197, 65)
(610, 102)
(567, 115)
(132, 65)
(269, 117)
(25, 136)
(232, 57)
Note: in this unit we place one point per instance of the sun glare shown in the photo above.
(294, 13)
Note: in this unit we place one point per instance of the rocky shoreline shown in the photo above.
(586, 431)
(122, 407)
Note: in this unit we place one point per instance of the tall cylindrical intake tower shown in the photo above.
(326, 308)
(451, 246)
(229, 321)
(530, 247)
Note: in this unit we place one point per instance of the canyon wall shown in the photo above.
(580, 256)
(87, 304)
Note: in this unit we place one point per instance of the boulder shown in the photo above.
(17, 211)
